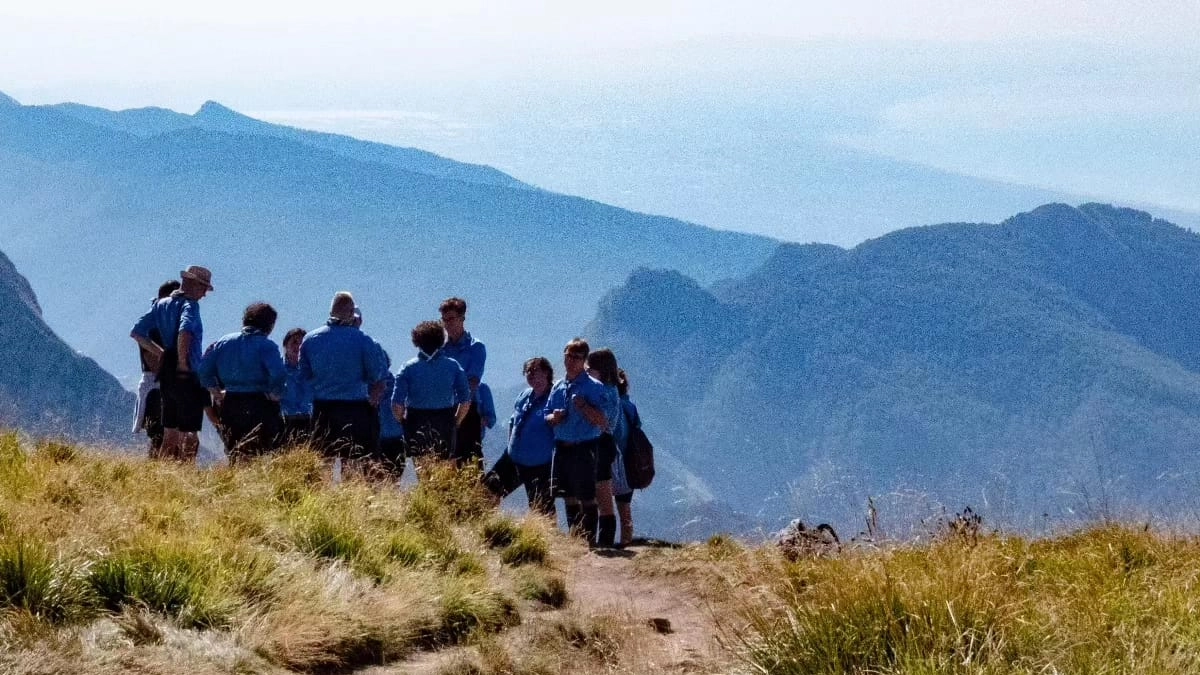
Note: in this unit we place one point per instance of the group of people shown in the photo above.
(333, 387)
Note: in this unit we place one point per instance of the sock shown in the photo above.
(607, 531)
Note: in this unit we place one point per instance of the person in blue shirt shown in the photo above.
(530, 438)
(471, 355)
(245, 376)
(176, 319)
(487, 408)
(602, 366)
(147, 411)
(392, 452)
(622, 493)
(431, 396)
(296, 404)
(346, 371)
(575, 410)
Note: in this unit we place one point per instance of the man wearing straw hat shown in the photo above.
(177, 320)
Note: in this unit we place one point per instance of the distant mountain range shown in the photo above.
(1040, 370)
(46, 389)
(126, 199)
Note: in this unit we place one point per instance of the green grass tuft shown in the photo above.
(530, 547)
(544, 587)
(500, 530)
(49, 589)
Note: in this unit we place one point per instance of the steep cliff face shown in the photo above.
(46, 389)
(1044, 365)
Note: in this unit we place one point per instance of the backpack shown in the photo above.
(639, 457)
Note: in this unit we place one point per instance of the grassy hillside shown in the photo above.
(111, 564)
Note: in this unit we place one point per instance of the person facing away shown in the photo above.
(346, 371)
(575, 410)
(245, 376)
(177, 319)
(602, 366)
(472, 356)
(296, 403)
(622, 493)
(147, 410)
(431, 396)
(530, 438)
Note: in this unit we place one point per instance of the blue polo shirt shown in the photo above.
(431, 383)
(297, 394)
(531, 440)
(575, 428)
(341, 362)
(242, 363)
(171, 315)
(470, 354)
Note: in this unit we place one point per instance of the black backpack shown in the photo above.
(639, 457)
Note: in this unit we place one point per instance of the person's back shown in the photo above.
(346, 370)
(244, 373)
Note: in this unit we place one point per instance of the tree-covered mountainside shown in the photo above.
(290, 218)
(45, 387)
(1047, 366)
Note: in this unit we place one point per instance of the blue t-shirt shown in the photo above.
(341, 362)
(245, 362)
(531, 440)
(470, 354)
(171, 315)
(575, 428)
(297, 394)
(431, 383)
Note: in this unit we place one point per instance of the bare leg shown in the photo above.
(172, 444)
(625, 511)
(189, 447)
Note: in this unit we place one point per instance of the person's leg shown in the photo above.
(606, 527)
(625, 511)
(536, 480)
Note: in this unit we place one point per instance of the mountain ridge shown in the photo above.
(1008, 361)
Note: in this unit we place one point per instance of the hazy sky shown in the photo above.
(52, 48)
(1098, 98)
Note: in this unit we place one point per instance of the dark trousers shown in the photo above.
(430, 431)
(346, 429)
(536, 480)
(252, 425)
(575, 469)
(468, 444)
(391, 456)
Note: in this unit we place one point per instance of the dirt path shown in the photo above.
(606, 584)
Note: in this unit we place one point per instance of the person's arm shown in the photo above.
(554, 412)
(185, 346)
(487, 406)
(462, 391)
(398, 411)
(593, 414)
(478, 359)
(375, 366)
(276, 372)
(461, 413)
(150, 348)
(375, 392)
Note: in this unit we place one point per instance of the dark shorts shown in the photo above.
(468, 438)
(152, 421)
(252, 425)
(183, 402)
(606, 449)
(575, 470)
(430, 432)
(346, 429)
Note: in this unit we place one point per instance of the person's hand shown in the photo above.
(580, 402)
(557, 415)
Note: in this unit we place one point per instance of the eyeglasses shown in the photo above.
(574, 357)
